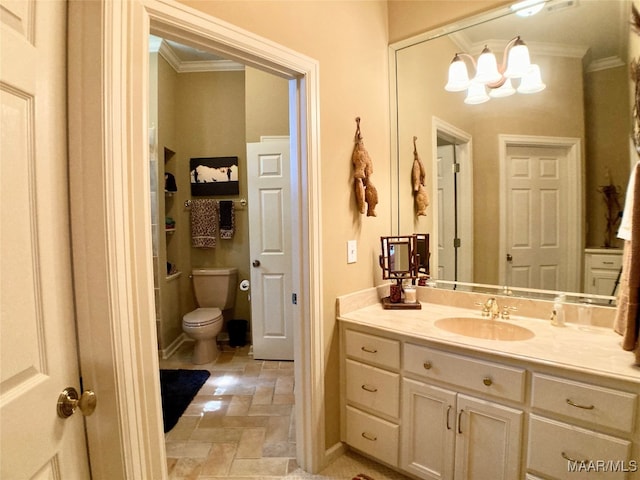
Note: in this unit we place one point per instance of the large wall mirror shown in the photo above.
(516, 180)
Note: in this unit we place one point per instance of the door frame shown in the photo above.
(464, 153)
(111, 232)
(575, 198)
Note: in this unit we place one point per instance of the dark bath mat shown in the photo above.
(177, 388)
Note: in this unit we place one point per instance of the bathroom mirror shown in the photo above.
(398, 258)
(581, 121)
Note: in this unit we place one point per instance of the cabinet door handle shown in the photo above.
(369, 350)
(487, 381)
(572, 460)
(427, 365)
(368, 436)
(577, 405)
(369, 389)
(448, 410)
(460, 421)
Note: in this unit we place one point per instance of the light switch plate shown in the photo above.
(352, 251)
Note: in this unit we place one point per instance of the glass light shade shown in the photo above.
(503, 91)
(458, 76)
(527, 8)
(487, 68)
(518, 61)
(532, 81)
(476, 94)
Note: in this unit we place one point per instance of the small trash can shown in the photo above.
(237, 332)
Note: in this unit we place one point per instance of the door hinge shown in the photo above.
(294, 298)
(456, 243)
(455, 167)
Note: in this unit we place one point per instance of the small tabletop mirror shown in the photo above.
(399, 261)
(398, 257)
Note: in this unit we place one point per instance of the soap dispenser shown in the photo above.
(557, 318)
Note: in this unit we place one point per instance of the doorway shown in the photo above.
(204, 107)
(453, 194)
(108, 115)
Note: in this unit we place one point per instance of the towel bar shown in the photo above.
(242, 202)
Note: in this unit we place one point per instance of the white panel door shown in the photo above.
(268, 171)
(446, 214)
(38, 356)
(536, 217)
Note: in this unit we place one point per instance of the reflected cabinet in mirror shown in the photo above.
(517, 183)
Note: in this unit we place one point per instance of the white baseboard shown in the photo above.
(333, 452)
(171, 349)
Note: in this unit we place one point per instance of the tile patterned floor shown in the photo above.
(241, 425)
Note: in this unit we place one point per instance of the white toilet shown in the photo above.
(215, 290)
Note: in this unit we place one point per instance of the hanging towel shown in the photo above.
(627, 322)
(204, 223)
(227, 219)
(170, 183)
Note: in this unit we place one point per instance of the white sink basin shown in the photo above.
(484, 328)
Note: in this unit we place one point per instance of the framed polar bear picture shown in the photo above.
(214, 176)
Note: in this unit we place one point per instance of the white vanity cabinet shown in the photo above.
(566, 432)
(438, 413)
(446, 434)
(601, 270)
(371, 395)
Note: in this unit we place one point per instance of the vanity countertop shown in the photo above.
(594, 350)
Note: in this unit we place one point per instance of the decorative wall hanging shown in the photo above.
(214, 176)
(613, 209)
(417, 178)
(366, 193)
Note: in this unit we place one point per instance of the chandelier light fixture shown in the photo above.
(491, 80)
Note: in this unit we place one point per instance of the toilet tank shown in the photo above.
(215, 287)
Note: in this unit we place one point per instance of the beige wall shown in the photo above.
(211, 110)
(267, 104)
(607, 145)
(349, 39)
(410, 18)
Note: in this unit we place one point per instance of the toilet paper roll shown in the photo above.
(244, 285)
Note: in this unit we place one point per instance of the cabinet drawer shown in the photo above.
(477, 375)
(373, 436)
(372, 349)
(373, 388)
(604, 261)
(581, 401)
(559, 450)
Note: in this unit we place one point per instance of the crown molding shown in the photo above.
(181, 66)
(605, 63)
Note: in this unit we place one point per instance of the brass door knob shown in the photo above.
(68, 402)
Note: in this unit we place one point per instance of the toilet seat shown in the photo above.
(201, 317)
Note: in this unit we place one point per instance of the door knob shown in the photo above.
(256, 263)
(68, 401)
(509, 257)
